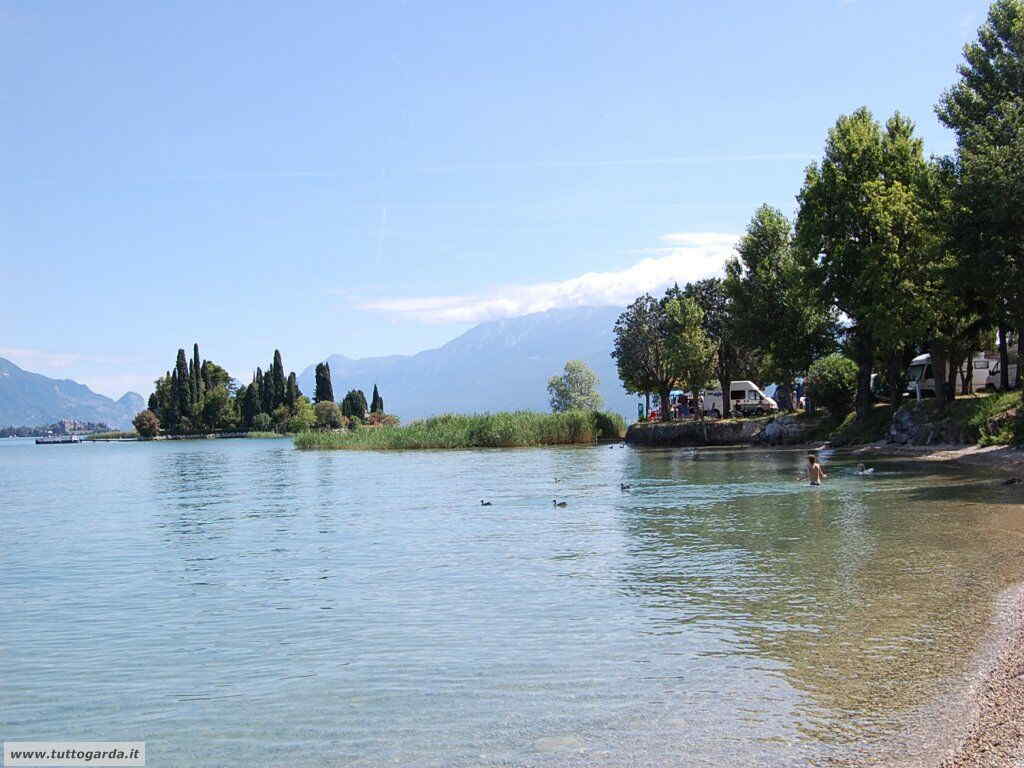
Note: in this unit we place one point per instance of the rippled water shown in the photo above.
(239, 603)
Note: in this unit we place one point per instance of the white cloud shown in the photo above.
(687, 256)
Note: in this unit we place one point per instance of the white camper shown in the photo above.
(994, 377)
(745, 398)
(920, 373)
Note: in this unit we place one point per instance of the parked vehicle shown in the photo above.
(994, 377)
(745, 398)
(920, 372)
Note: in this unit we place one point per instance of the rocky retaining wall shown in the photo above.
(784, 430)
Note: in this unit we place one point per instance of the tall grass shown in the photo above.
(483, 430)
(114, 435)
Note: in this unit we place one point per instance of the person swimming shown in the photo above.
(814, 471)
(862, 470)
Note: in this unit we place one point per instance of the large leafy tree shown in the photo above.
(354, 404)
(774, 307)
(575, 389)
(732, 358)
(691, 350)
(641, 349)
(865, 234)
(985, 108)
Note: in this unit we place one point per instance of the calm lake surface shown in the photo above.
(240, 603)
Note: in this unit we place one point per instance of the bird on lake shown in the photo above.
(484, 503)
(1013, 481)
(624, 487)
(558, 503)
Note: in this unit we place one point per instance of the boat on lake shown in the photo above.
(58, 439)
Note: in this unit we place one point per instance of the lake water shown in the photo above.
(240, 603)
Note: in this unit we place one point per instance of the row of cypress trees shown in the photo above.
(354, 403)
(196, 396)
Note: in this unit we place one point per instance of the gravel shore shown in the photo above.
(993, 734)
(994, 738)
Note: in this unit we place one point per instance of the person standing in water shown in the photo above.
(814, 471)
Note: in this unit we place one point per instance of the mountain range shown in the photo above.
(496, 366)
(31, 399)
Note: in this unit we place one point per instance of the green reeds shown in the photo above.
(484, 430)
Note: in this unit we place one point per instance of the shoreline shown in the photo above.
(1001, 458)
(993, 736)
(992, 733)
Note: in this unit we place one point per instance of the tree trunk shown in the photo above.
(939, 374)
(647, 406)
(726, 403)
(664, 407)
(954, 369)
(865, 359)
(1020, 354)
(784, 397)
(1004, 360)
(894, 372)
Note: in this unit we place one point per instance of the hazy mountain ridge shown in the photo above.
(29, 399)
(495, 366)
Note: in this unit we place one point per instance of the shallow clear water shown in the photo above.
(238, 603)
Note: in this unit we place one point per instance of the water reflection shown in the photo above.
(869, 595)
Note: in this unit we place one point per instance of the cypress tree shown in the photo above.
(267, 392)
(376, 402)
(324, 389)
(280, 387)
(183, 395)
(197, 368)
(292, 395)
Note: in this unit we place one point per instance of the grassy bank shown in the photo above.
(985, 419)
(485, 430)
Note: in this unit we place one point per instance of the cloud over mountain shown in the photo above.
(685, 256)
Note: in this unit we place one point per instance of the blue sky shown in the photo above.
(375, 178)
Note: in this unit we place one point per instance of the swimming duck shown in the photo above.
(559, 503)
(624, 487)
(484, 503)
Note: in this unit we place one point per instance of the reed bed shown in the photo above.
(484, 430)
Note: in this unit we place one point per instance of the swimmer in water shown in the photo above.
(814, 471)
(862, 470)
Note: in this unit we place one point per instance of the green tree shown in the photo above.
(279, 385)
(261, 422)
(217, 410)
(774, 305)
(327, 415)
(691, 351)
(832, 383)
(324, 392)
(292, 392)
(732, 358)
(641, 349)
(376, 402)
(182, 393)
(354, 404)
(985, 108)
(146, 424)
(575, 389)
(865, 235)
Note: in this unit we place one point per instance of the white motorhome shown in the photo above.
(920, 373)
(994, 375)
(745, 398)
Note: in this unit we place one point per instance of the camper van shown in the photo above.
(745, 398)
(920, 373)
(994, 377)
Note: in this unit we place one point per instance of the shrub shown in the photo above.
(328, 414)
(832, 383)
(146, 424)
(381, 419)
